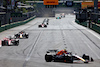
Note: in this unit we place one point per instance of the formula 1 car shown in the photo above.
(51, 55)
(21, 35)
(9, 41)
(58, 17)
(42, 25)
(62, 14)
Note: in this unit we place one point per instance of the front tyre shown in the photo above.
(86, 57)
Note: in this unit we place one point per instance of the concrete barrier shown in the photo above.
(81, 23)
(95, 27)
(12, 25)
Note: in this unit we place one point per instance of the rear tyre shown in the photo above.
(45, 26)
(26, 35)
(48, 58)
(39, 26)
(3, 43)
(16, 43)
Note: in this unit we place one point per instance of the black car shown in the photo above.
(68, 58)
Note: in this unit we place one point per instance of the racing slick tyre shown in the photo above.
(39, 26)
(16, 42)
(48, 58)
(26, 35)
(3, 43)
(45, 26)
(17, 36)
(86, 57)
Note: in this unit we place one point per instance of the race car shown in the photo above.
(58, 16)
(21, 35)
(62, 14)
(51, 55)
(46, 21)
(42, 25)
(9, 41)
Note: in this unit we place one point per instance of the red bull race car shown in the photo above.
(21, 35)
(51, 55)
(9, 41)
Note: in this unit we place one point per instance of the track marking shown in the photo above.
(31, 50)
(63, 38)
(92, 50)
(90, 40)
(94, 33)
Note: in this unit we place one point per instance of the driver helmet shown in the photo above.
(65, 50)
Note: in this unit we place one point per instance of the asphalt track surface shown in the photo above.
(60, 34)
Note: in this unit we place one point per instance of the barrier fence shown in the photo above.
(94, 27)
(12, 25)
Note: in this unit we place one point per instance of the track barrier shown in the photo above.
(94, 27)
(15, 24)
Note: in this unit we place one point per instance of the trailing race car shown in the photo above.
(62, 14)
(58, 16)
(21, 35)
(9, 41)
(42, 25)
(51, 55)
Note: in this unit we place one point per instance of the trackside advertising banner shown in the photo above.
(89, 4)
(50, 2)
